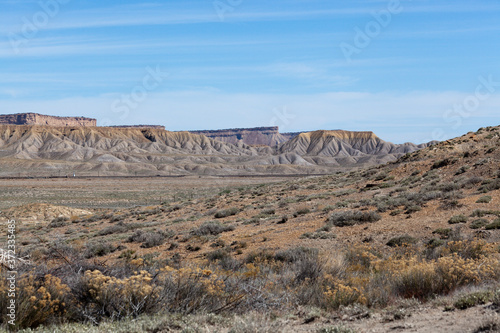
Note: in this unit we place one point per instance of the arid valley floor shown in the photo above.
(408, 246)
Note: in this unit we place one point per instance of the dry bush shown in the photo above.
(148, 239)
(226, 212)
(472, 299)
(120, 227)
(58, 222)
(211, 228)
(484, 199)
(493, 225)
(193, 289)
(98, 249)
(403, 240)
(458, 219)
(349, 218)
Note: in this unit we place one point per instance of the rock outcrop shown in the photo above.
(139, 126)
(258, 136)
(44, 120)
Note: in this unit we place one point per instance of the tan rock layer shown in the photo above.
(39, 119)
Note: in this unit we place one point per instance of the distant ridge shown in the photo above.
(257, 136)
(138, 126)
(44, 120)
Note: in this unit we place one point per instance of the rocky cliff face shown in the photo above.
(43, 120)
(266, 136)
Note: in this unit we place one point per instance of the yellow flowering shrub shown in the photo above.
(342, 294)
(473, 249)
(121, 297)
(37, 300)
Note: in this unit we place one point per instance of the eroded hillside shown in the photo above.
(52, 151)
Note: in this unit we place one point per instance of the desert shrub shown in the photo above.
(432, 195)
(335, 329)
(403, 240)
(193, 289)
(443, 163)
(471, 249)
(417, 280)
(261, 255)
(173, 246)
(39, 299)
(478, 224)
(472, 299)
(343, 295)
(284, 219)
(223, 258)
(151, 239)
(58, 222)
(305, 262)
(98, 249)
(490, 186)
(148, 239)
(443, 232)
(449, 187)
(62, 251)
(226, 212)
(211, 228)
(495, 299)
(463, 169)
(117, 298)
(114, 229)
(493, 225)
(412, 209)
(482, 213)
(301, 211)
(349, 218)
(193, 248)
(479, 213)
(434, 243)
(484, 199)
(295, 254)
(457, 219)
(268, 211)
(361, 257)
(471, 182)
(318, 235)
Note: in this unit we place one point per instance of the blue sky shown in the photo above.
(426, 69)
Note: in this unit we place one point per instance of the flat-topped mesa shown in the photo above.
(44, 120)
(161, 127)
(342, 134)
(257, 136)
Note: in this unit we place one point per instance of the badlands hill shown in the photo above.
(48, 150)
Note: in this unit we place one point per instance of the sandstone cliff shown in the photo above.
(43, 120)
(139, 126)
